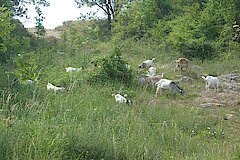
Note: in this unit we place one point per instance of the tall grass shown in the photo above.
(84, 122)
(88, 124)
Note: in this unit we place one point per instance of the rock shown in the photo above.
(228, 116)
(186, 79)
(231, 81)
(232, 86)
(205, 105)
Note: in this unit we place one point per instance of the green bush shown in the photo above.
(27, 66)
(115, 68)
(200, 51)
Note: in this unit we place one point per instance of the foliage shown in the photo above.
(115, 68)
(84, 122)
(201, 51)
(39, 20)
(27, 67)
(111, 8)
(194, 32)
(108, 7)
(18, 41)
(135, 21)
(6, 28)
(18, 7)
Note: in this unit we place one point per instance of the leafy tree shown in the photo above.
(19, 8)
(136, 20)
(105, 5)
(188, 37)
(110, 7)
(39, 19)
(202, 28)
(6, 28)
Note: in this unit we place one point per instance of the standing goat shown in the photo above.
(147, 63)
(210, 82)
(182, 63)
(167, 84)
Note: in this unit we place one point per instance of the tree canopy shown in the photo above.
(110, 7)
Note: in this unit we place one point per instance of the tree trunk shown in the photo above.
(109, 22)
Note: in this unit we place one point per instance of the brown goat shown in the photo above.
(182, 63)
(150, 80)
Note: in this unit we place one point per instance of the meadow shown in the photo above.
(85, 122)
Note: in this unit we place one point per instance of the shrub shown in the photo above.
(115, 68)
(27, 66)
(201, 51)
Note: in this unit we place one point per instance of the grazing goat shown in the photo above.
(71, 69)
(121, 99)
(28, 82)
(147, 63)
(151, 71)
(210, 82)
(54, 88)
(182, 63)
(150, 80)
(167, 84)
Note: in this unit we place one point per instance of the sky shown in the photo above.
(55, 14)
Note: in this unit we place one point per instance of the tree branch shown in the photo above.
(101, 7)
(111, 7)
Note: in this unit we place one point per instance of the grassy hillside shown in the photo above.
(85, 122)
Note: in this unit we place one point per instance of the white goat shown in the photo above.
(210, 82)
(121, 99)
(151, 71)
(54, 88)
(167, 84)
(28, 82)
(182, 63)
(71, 69)
(147, 63)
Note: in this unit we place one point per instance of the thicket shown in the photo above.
(195, 29)
(113, 68)
(199, 29)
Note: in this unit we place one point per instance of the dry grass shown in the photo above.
(49, 33)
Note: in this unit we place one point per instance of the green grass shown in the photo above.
(84, 122)
(82, 126)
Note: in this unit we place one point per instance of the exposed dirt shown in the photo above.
(49, 33)
(228, 96)
(225, 98)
